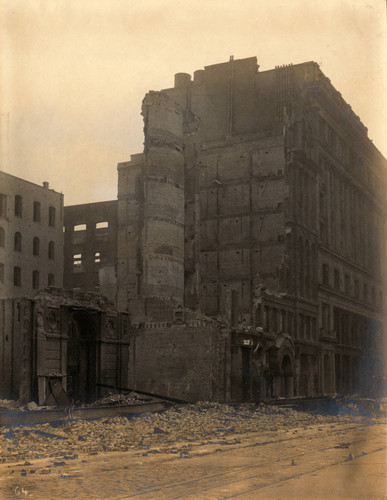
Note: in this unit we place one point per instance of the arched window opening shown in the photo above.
(36, 246)
(17, 242)
(51, 250)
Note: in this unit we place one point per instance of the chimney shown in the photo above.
(45, 185)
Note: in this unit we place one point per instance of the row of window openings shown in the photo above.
(19, 209)
(78, 259)
(347, 284)
(280, 321)
(17, 244)
(98, 225)
(329, 136)
(345, 327)
(17, 277)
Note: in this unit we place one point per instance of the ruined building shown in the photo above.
(252, 225)
(90, 248)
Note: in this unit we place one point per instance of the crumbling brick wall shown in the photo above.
(188, 363)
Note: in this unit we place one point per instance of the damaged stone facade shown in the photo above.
(62, 346)
(258, 202)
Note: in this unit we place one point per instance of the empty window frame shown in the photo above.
(51, 250)
(3, 205)
(2, 237)
(51, 279)
(1, 272)
(77, 263)
(18, 205)
(35, 246)
(356, 288)
(51, 216)
(325, 274)
(17, 276)
(101, 231)
(336, 275)
(97, 257)
(347, 284)
(35, 280)
(17, 242)
(365, 292)
(36, 211)
(325, 317)
(79, 234)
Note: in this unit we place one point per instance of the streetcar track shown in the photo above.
(292, 457)
(300, 474)
(240, 469)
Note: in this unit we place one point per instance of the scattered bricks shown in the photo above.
(45, 471)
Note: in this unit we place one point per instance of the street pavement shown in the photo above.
(343, 459)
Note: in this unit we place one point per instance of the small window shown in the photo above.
(102, 231)
(322, 203)
(79, 234)
(51, 250)
(337, 279)
(356, 288)
(97, 257)
(51, 216)
(347, 284)
(35, 280)
(323, 233)
(365, 292)
(17, 276)
(325, 317)
(1, 272)
(373, 296)
(36, 211)
(51, 279)
(3, 205)
(18, 205)
(35, 246)
(77, 263)
(17, 242)
(2, 237)
(325, 274)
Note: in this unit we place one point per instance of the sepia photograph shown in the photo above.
(193, 249)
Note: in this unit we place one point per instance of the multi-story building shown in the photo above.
(90, 247)
(258, 201)
(31, 237)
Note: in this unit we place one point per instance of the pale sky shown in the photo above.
(74, 73)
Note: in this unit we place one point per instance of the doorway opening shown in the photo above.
(82, 358)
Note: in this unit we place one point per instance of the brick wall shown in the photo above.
(180, 362)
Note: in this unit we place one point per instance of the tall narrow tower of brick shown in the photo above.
(163, 177)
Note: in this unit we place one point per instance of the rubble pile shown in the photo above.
(122, 399)
(170, 431)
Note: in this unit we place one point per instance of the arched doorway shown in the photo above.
(81, 358)
(287, 376)
(328, 389)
